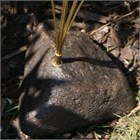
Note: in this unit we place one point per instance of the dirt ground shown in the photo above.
(113, 24)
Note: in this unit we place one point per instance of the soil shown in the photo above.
(113, 24)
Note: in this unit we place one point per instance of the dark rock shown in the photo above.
(88, 88)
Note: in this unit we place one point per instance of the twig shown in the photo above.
(20, 50)
(96, 136)
(116, 20)
(128, 14)
(95, 30)
(135, 110)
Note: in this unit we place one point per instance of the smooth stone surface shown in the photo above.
(87, 89)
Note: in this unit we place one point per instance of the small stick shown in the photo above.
(135, 110)
(93, 31)
(20, 50)
(128, 14)
(96, 136)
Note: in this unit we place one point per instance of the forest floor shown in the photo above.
(113, 24)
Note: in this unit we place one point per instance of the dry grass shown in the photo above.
(128, 126)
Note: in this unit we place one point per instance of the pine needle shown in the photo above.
(66, 21)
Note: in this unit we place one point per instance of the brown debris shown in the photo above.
(127, 56)
(115, 40)
(92, 16)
